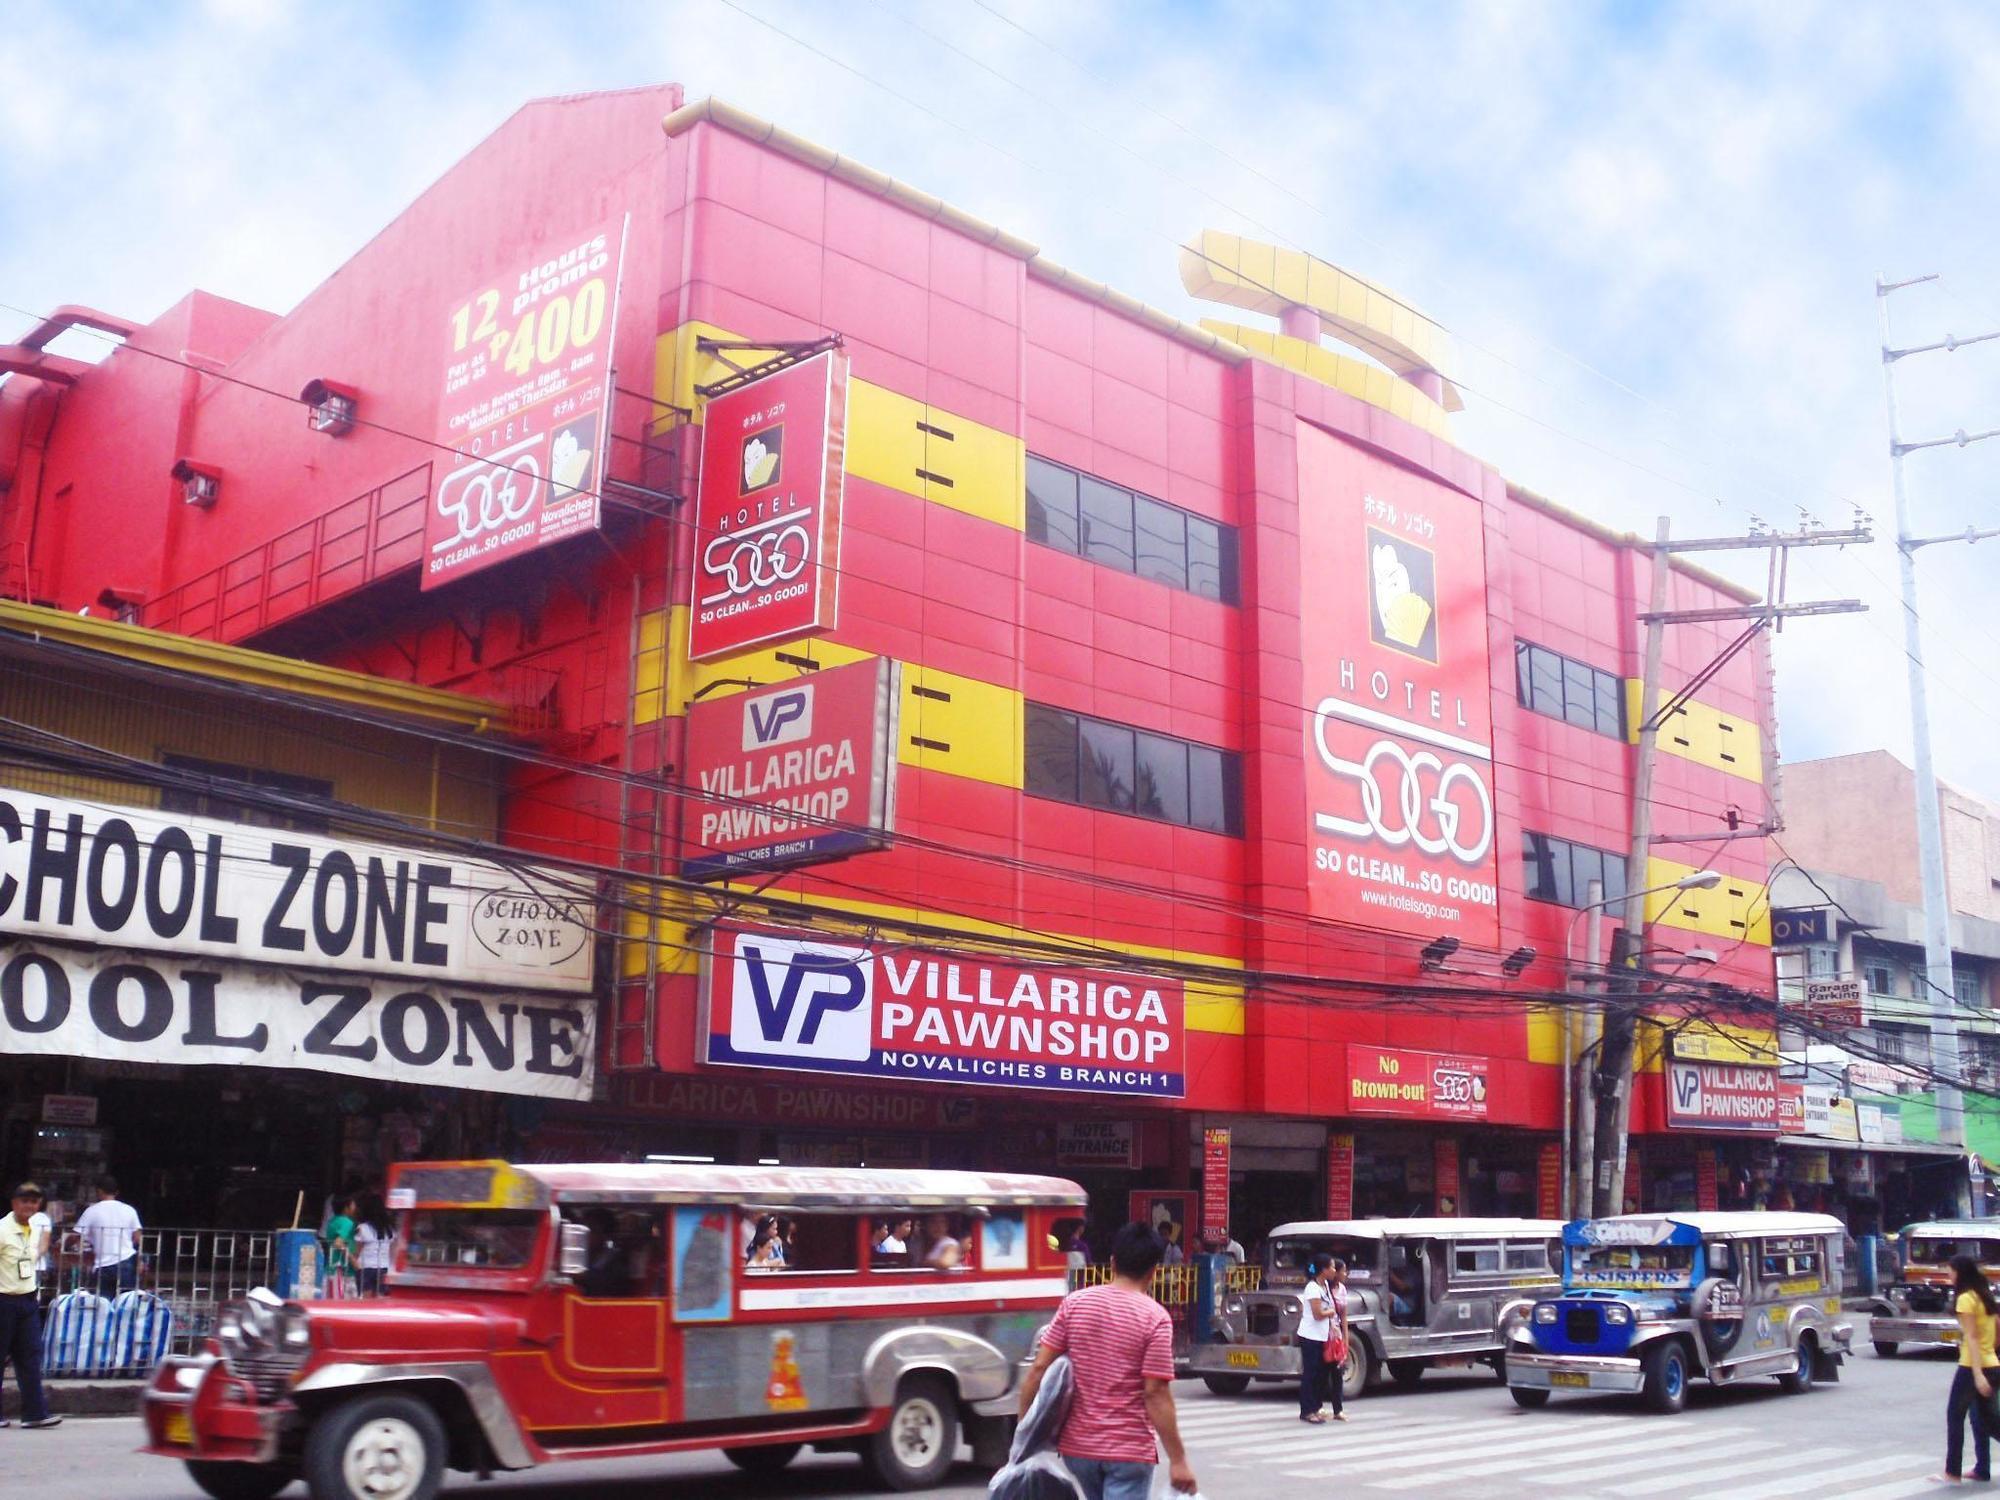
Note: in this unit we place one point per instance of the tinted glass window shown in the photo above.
(1051, 504)
(1051, 758)
(1540, 871)
(1105, 773)
(1557, 870)
(1160, 538)
(1106, 512)
(1215, 799)
(1204, 559)
(1610, 706)
(1161, 787)
(1586, 865)
(1579, 694)
(1546, 682)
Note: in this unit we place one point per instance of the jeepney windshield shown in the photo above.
(1937, 1250)
(486, 1239)
(1631, 1267)
(1290, 1257)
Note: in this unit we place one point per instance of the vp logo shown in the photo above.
(790, 998)
(779, 719)
(1687, 1088)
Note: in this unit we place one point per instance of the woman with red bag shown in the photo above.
(1321, 1324)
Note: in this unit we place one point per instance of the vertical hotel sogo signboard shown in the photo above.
(525, 405)
(1399, 722)
(767, 509)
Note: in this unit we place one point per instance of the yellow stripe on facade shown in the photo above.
(1701, 733)
(1343, 372)
(1737, 911)
(1212, 1005)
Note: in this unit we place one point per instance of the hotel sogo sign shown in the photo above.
(1399, 728)
(886, 1010)
(138, 936)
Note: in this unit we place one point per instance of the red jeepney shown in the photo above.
(537, 1314)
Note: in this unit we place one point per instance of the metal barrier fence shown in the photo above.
(184, 1275)
(1174, 1288)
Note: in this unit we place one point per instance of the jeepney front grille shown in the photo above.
(1580, 1325)
(270, 1374)
(1263, 1319)
(1927, 1299)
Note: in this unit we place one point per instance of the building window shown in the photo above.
(1573, 691)
(1560, 871)
(1968, 988)
(206, 803)
(1134, 533)
(1881, 978)
(1822, 961)
(1096, 763)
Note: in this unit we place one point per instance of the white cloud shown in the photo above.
(1655, 229)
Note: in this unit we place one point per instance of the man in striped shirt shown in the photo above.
(1120, 1344)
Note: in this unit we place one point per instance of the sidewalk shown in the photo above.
(80, 1398)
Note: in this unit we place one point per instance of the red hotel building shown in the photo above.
(1224, 684)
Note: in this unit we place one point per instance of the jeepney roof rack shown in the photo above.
(496, 1184)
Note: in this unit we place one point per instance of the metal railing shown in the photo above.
(190, 1272)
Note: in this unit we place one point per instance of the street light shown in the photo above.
(1697, 880)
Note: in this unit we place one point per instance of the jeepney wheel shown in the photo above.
(1356, 1370)
(1529, 1397)
(1227, 1385)
(1665, 1366)
(915, 1450)
(376, 1448)
(1799, 1380)
(1886, 1348)
(233, 1481)
(764, 1458)
(1407, 1373)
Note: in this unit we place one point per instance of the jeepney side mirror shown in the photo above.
(573, 1249)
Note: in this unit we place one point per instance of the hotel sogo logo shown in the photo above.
(1399, 733)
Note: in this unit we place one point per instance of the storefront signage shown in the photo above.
(1835, 999)
(1869, 1118)
(794, 773)
(1722, 1096)
(767, 509)
(1420, 1085)
(1791, 1108)
(1879, 1078)
(1795, 926)
(789, 1000)
(1727, 1044)
(741, 1101)
(139, 1007)
(524, 402)
(1215, 1181)
(1444, 1153)
(1096, 1143)
(1842, 1122)
(69, 1109)
(1398, 727)
(1548, 1180)
(130, 878)
(1340, 1175)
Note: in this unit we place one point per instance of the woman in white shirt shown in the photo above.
(1316, 1327)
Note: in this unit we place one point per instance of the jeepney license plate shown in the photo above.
(1949, 1336)
(1244, 1359)
(1567, 1378)
(178, 1430)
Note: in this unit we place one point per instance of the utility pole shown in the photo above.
(1930, 839)
(1613, 1101)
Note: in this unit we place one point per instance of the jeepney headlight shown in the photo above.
(187, 1377)
(1232, 1306)
(297, 1329)
(1545, 1312)
(229, 1327)
(1617, 1315)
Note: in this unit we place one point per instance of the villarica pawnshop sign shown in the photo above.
(767, 509)
(1398, 722)
(820, 1005)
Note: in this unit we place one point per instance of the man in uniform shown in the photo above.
(22, 1242)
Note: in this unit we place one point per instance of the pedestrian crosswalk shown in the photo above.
(1242, 1448)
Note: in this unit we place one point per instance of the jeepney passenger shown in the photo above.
(942, 1252)
(890, 1241)
(765, 1251)
(1402, 1289)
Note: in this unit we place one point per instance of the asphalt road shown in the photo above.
(1876, 1435)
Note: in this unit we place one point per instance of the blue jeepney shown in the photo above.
(1651, 1301)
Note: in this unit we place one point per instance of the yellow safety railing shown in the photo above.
(1173, 1286)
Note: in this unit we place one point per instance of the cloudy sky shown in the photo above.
(1654, 230)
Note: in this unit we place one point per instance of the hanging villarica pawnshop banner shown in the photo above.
(1398, 723)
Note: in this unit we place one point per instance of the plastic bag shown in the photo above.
(1034, 1471)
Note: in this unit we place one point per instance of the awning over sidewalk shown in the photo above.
(1877, 1148)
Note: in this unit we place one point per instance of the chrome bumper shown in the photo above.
(1914, 1328)
(1269, 1360)
(1578, 1372)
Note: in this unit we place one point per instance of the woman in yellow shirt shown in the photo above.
(1972, 1384)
